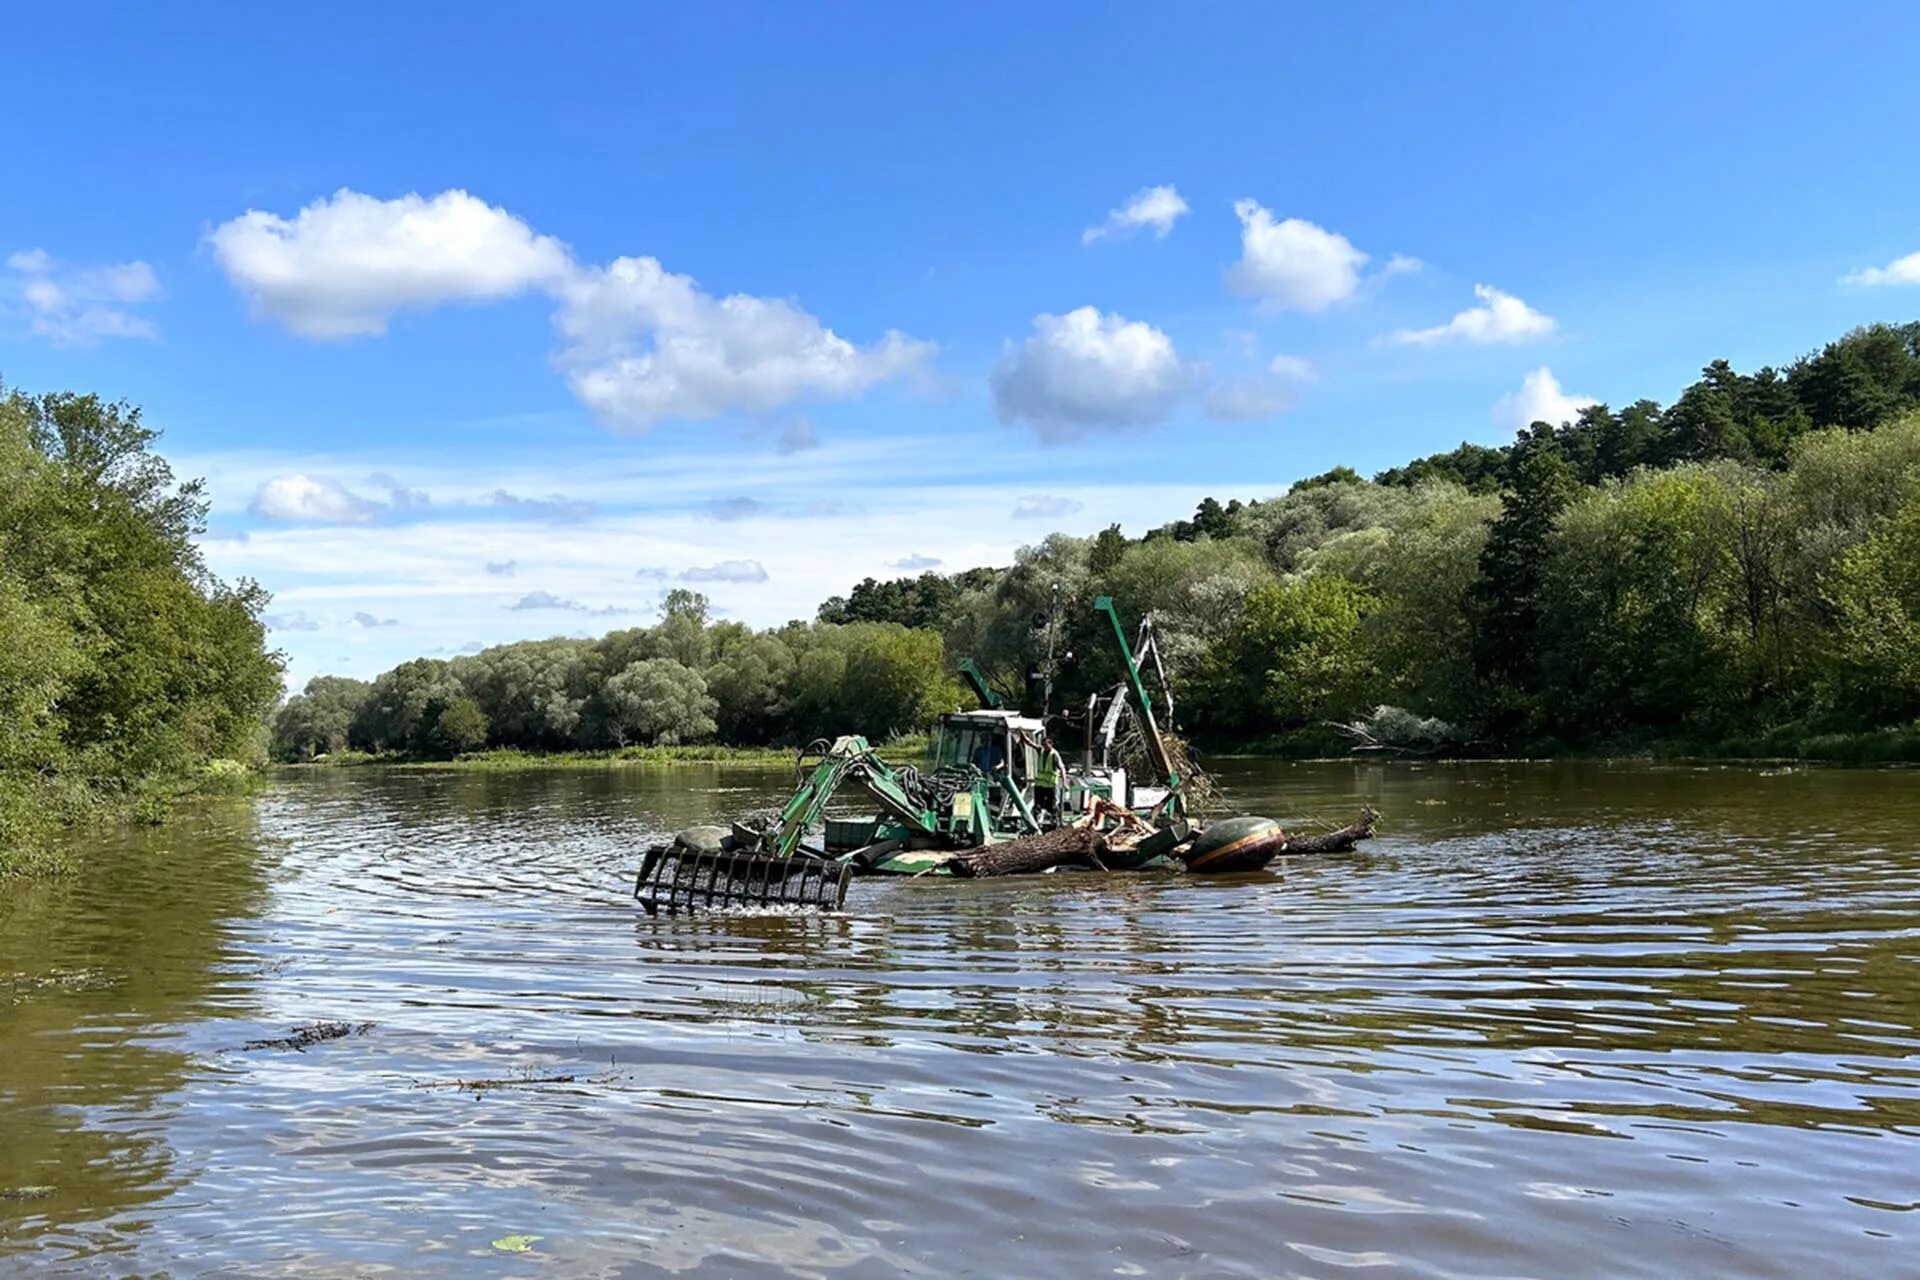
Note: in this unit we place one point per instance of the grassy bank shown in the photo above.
(903, 749)
(44, 819)
(1802, 743)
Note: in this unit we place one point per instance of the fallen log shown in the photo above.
(1063, 846)
(1335, 841)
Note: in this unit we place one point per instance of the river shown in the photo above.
(1556, 1020)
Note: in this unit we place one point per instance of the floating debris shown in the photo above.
(309, 1034)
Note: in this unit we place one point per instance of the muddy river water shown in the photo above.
(1556, 1020)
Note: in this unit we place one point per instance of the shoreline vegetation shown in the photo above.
(1734, 575)
(130, 677)
(1884, 747)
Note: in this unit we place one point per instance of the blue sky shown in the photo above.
(487, 323)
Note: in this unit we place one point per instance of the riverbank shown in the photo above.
(1798, 744)
(906, 748)
(36, 813)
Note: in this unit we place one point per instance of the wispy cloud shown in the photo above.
(554, 506)
(540, 600)
(76, 306)
(1155, 207)
(727, 571)
(1044, 506)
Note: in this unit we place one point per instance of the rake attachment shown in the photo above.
(675, 879)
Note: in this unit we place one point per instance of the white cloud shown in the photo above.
(541, 600)
(1500, 317)
(344, 264)
(311, 498)
(645, 344)
(364, 619)
(1088, 369)
(1539, 399)
(735, 508)
(727, 571)
(915, 563)
(1401, 264)
(501, 568)
(1269, 392)
(1045, 506)
(1293, 263)
(1900, 271)
(295, 621)
(640, 343)
(76, 306)
(1156, 207)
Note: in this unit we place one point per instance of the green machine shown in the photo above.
(994, 775)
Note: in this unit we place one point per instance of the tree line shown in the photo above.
(125, 666)
(1737, 571)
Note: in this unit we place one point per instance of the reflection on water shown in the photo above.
(1557, 1020)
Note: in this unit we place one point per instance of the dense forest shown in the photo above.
(1738, 571)
(126, 669)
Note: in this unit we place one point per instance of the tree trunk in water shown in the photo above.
(1059, 847)
(1335, 841)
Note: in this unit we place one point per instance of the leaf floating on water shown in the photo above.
(516, 1244)
(25, 1193)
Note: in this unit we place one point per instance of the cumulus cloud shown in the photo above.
(1263, 395)
(343, 265)
(652, 573)
(537, 600)
(369, 620)
(1156, 207)
(645, 343)
(1539, 399)
(727, 571)
(915, 563)
(502, 568)
(1900, 271)
(295, 621)
(1044, 506)
(312, 498)
(1292, 264)
(639, 343)
(554, 506)
(736, 508)
(1088, 369)
(77, 306)
(1500, 317)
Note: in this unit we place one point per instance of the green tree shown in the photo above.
(1505, 601)
(658, 701)
(319, 719)
(459, 726)
(1874, 652)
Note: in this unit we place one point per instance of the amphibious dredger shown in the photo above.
(997, 796)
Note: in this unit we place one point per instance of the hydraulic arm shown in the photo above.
(848, 759)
